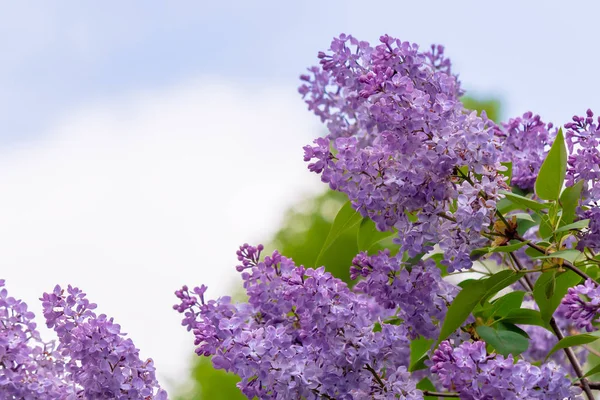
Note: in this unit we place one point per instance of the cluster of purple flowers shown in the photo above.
(302, 334)
(525, 142)
(93, 359)
(582, 304)
(29, 368)
(402, 146)
(417, 291)
(583, 140)
(97, 355)
(476, 375)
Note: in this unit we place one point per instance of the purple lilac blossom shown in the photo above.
(302, 334)
(399, 134)
(583, 140)
(590, 237)
(582, 304)
(525, 142)
(97, 356)
(418, 291)
(29, 368)
(476, 375)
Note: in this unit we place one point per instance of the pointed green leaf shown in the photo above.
(581, 224)
(418, 353)
(575, 340)
(564, 281)
(525, 316)
(592, 371)
(474, 292)
(345, 219)
(546, 228)
(553, 170)
(368, 235)
(503, 341)
(550, 287)
(461, 307)
(569, 199)
(499, 281)
(500, 249)
(525, 203)
(510, 301)
(571, 255)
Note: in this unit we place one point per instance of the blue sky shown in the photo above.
(58, 56)
(141, 142)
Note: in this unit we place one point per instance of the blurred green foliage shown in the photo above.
(305, 229)
(490, 106)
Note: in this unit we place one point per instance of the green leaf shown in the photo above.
(553, 170)
(505, 342)
(510, 301)
(581, 224)
(368, 235)
(507, 326)
(345, 219)
(550, 287)
(569, 200)
(460, 309)
(499, 281)
(504, 205)
(523, 225)
(418, 353)
(524, 217)
(564, 281)
(525, 316)
(575, 340)
(524, 202)
(473, 292)
(570, 255)
(499, 249)
(592, 371)
(546, 228)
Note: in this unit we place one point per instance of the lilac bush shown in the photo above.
(92, 360)
(434, 191)
(453, 190)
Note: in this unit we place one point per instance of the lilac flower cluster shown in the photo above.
(582, 304)
(418, 291)
(302, 334)
(525, 142)
(97, 356)
(583, 139)
(29, 368)
(401, 140)
(92, 361)
(475, 375)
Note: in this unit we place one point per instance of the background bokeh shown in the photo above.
(142, 142)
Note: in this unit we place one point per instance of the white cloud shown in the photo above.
(134, 197)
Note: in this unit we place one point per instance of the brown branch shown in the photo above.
(440, 394)
(559, 335)
(565, 263)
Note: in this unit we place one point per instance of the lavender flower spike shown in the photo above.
(475, 375)
(98, 357)
(582, 304)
